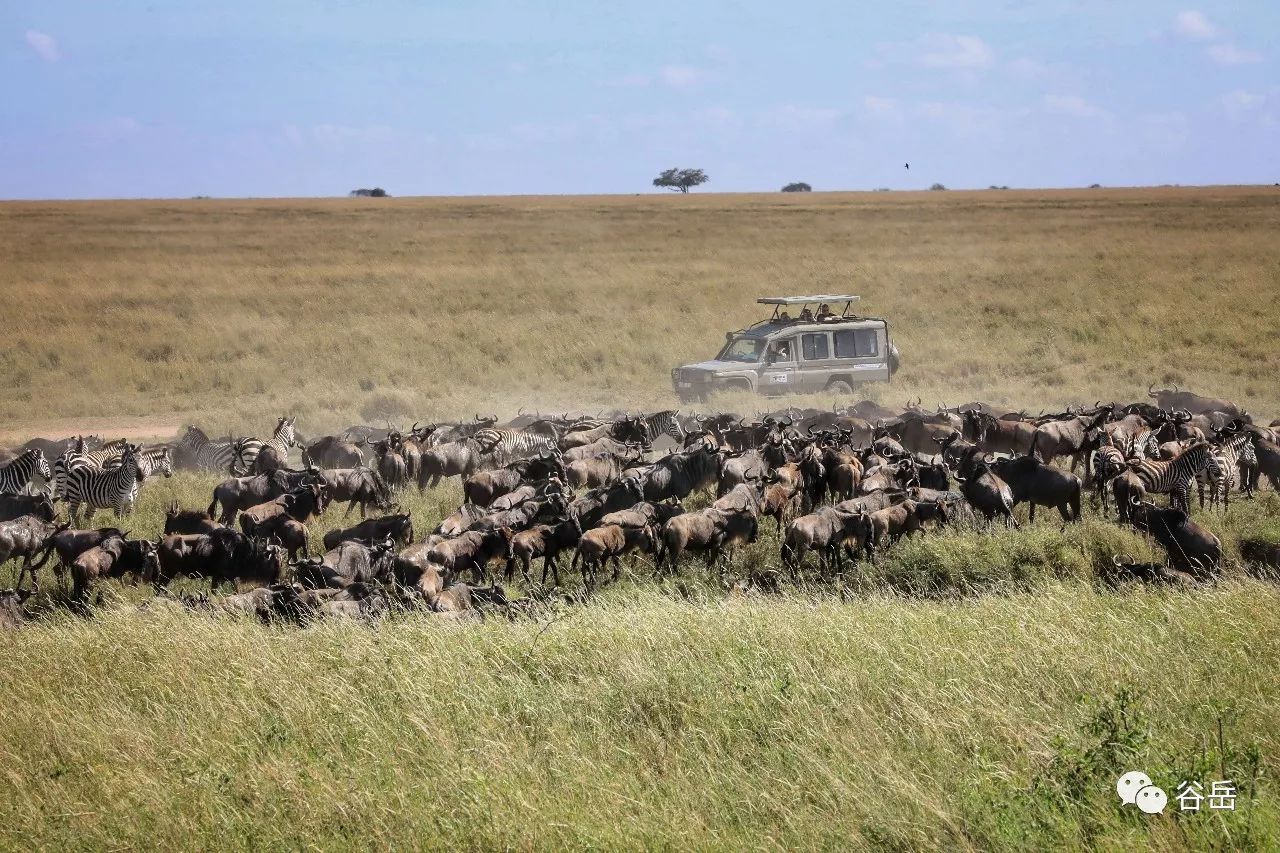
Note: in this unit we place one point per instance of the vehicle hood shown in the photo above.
(715, 365)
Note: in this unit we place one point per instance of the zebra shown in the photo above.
(16, 476)
(113, 488)
(1174, 476)
(1108, 461)
(508, 445)
(663, 423)
(249, 450)
(1229, 457)
(208, 455)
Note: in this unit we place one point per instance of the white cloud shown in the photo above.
(1027, 68)
(44, 45)
(1194, 25)
(878, 106)
(681, 76)
(942, 50)
(1239, 103)
(1072, 105)
(1229, 54)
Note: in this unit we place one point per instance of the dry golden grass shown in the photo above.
(230, 312)
(659, 714)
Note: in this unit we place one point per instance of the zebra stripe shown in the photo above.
(1221, 476)
(1174, 476)
(108, 489)
(15, 476)
(281, 440)
(208, 455)
(510, 444)
(663, 423)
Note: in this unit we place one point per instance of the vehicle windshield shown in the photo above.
(743, 348)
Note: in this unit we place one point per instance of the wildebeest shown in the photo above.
(25, 538)
(546, 541)
(113, 558)
(460, 520)
(239, 493)
(601, 544)
(178, 520)
(221, 555)
(824, 531)
(589, 507)
(482, 487)
(1175, 398)
(300, 505)
(1032, 481)
(16, 506)
(894, 522)
(1073, 437)
(709, 531)
(334, 452)
(1191, 547)
(348, 563)
(398, 526)
(679, 474)
(356, 486)
(456, 458)
(472, 551)
(983, 488)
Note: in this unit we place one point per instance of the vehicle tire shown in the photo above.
(839, 386)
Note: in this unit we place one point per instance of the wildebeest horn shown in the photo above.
(1150, 391)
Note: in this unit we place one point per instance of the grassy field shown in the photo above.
(969, 690)
(231, 312)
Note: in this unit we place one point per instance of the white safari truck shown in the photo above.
(809, 343)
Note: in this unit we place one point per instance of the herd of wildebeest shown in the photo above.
(838, 486)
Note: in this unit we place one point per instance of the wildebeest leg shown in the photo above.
(1031, 512)
(351, 504)
(617, 568)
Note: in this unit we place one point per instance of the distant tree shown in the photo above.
(994, 187)
(937, 187)
(680, 180)
(376, 192)
(797, 187)
(1095, 186)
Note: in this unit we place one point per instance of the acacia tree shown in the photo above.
(680, 180)
(797, 187)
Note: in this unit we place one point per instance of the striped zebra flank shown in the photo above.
(206, 455)
(1173, 476)
(1221, 477)
(17, 475)
(113, 488)
(508, 445)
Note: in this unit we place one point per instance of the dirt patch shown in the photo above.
(145, 427)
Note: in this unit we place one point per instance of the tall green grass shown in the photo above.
(644, 720)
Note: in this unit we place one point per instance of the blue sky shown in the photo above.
(256, 98)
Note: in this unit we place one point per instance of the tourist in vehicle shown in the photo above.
(806, 316)
(824, 313)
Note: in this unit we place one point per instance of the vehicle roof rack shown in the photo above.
(802, 300)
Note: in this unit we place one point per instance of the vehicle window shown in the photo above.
(815, 347)
(743, 349)
(782, 351)
(856, 343)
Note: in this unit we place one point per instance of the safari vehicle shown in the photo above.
(812, 350)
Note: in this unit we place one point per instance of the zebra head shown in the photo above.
(285, 431)
(42, 465)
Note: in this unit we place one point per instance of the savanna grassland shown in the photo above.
(970, 689)
(230, 312)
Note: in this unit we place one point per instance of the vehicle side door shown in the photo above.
(778, 371)
(862, 354)
(816, 362)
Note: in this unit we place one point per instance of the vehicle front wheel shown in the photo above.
(839, 386)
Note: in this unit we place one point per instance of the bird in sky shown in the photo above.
(906, 166)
